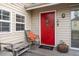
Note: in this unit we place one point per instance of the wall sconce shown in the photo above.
(63, 15)
(57, 22)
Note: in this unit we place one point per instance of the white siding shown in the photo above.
(63, 32)
(15, 36)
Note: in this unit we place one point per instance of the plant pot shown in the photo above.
(62, 48)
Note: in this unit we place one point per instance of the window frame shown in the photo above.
(20, 22)
(7, 21)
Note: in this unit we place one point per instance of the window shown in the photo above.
(4, 21)
(74, 15)
(19, 22)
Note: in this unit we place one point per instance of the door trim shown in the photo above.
(40, 26)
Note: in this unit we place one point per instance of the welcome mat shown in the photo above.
(46, 47)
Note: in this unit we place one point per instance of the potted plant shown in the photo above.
(62, 47)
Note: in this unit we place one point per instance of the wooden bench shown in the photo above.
(16, 48)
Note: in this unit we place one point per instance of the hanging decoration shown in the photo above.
(47, 21)
(57, 22)
(63, 15)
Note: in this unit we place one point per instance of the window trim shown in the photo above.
(10, 21)
(20, 22)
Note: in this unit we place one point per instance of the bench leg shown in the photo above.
(13, 51)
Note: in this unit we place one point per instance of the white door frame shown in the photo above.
(40, 26)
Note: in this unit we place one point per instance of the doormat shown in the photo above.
(46, 47)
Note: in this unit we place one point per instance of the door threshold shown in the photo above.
(74, 48)
(47, 45)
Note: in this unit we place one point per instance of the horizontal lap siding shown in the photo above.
(35, 24)
(63, 31)
(13, 7)
(14, 36)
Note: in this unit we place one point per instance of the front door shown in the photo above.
(48, 28)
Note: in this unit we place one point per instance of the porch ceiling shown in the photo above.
(31, 6)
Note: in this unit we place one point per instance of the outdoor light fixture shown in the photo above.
(63, 15)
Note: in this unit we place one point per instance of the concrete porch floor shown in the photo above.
(43, 52)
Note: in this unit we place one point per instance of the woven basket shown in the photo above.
(62, 48)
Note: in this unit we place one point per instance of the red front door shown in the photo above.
(48, 28)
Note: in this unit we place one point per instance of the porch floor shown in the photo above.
(43, 52)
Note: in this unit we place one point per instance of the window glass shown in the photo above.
(19, 27)
(0, 12)
(0, 16)
(4, 26)
(22, 26)
(5, 13)
(19, 22)
(19, 18)
(5, 29)
(0, 28)
(5, 18)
